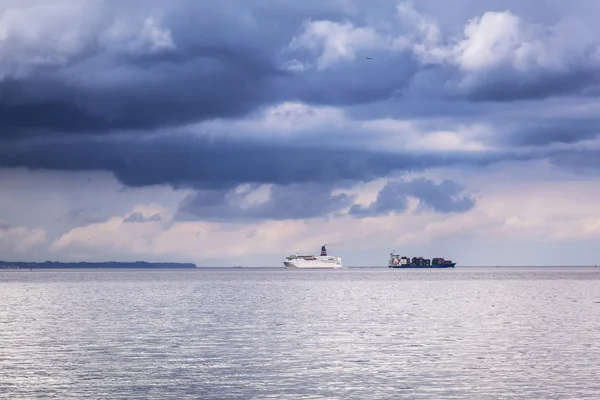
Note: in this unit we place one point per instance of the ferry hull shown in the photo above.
(292, 265)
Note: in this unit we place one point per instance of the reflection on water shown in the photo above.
(357, 333)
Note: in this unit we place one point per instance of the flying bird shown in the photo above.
(368, 58)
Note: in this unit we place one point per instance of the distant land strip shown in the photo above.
(104, 264)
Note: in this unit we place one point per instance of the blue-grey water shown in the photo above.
(465, 333)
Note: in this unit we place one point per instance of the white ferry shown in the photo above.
(313, 262)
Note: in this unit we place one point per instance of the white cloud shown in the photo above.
(506, 209)
(426, 30)
(290, 119)
(340, 41)
(491, 40)
(407, 136)
(17, 241)
(115, 234)
(184, 240)
(284, 119)
(499, 39)
(41, 34)
(503, 39)
(296, 66)
(147, 36)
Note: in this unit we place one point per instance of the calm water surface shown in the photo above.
(259, 334)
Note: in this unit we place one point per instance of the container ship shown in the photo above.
(313, 262)
(396, 261)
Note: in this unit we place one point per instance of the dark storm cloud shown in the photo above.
(212, 84)
(185, 161)
(506, 86)
(497, 85)
(552, 130)
(300, 201)
(226, 60)
(285, 202)
(443, 198)
(580, 161)
(355, 83)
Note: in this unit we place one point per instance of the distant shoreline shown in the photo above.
(88, 265)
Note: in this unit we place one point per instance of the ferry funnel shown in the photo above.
(323, 251)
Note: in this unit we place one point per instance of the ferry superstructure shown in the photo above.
(313, 262)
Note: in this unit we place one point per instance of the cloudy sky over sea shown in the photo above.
(237, 132)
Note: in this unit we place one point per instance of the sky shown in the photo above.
(238, 132)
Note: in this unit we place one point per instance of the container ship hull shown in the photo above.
(396, 261)
(297, 261)
(423, 266)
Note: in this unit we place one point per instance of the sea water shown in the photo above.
(467, 333)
